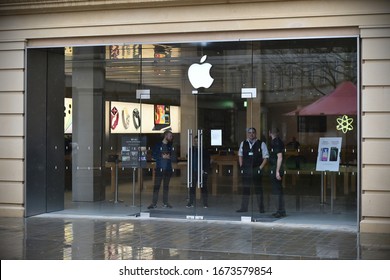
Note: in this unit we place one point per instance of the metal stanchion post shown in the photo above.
(116, 200)
(322, 188)
(332, 181)
(134, 186)
(116, 182)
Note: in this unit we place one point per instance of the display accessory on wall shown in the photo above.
(136, 118)
(125, 118)
(114, 118)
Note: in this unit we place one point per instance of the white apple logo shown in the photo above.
(199, 74)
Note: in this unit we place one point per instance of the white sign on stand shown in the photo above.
(328, 158)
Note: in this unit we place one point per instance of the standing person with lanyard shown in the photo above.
(252, 157)
(276, 162)
(163, 153)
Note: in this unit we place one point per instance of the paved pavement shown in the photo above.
(94, 238)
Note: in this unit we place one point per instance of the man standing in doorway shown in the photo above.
(252, 157)
(163, 153)
(276, 162)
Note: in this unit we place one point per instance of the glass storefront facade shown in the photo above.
(119, 100)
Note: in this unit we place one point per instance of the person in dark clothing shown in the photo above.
(252, 157)
(294, 145)
(163, 153)
(276, 163)
(205, 170)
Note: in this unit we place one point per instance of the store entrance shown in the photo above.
(211, 117)
(121, 100)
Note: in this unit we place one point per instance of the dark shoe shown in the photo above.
(205, 206)
(279, 214)
(241, 210)
(167, 205)
(189, 205)
(152, 206)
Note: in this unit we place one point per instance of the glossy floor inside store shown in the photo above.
(304, 208)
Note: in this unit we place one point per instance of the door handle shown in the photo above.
(189, 158)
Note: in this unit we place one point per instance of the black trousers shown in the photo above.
(277, 192)
(252, 183)
(161, 176)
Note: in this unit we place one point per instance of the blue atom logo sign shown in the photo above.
(344, 124)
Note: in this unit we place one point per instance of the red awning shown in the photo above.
(342, 101)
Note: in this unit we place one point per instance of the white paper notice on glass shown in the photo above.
(248, 93)
(216, 137)
(328, 158)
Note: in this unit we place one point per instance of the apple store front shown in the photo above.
(96, 113)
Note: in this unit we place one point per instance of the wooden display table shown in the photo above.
(218, 163)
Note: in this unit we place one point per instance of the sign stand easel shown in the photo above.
(328, 160)
(116, 200)
(134, 156)
(133, 205)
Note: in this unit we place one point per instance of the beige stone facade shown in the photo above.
(25, 24)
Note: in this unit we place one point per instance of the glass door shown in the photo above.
(163, 188)
(197, 173)
(196, 95)
(217, 74)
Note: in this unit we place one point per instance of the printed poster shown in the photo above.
(133, 151)
(328, 158)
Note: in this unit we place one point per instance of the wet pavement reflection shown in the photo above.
(38, 238)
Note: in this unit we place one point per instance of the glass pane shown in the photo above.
(164, 191)
(222, 109)
(308, 90)
(136, 92)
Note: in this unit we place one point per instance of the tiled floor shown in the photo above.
(93, 238)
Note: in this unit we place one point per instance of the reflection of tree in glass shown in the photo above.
(308, 65)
